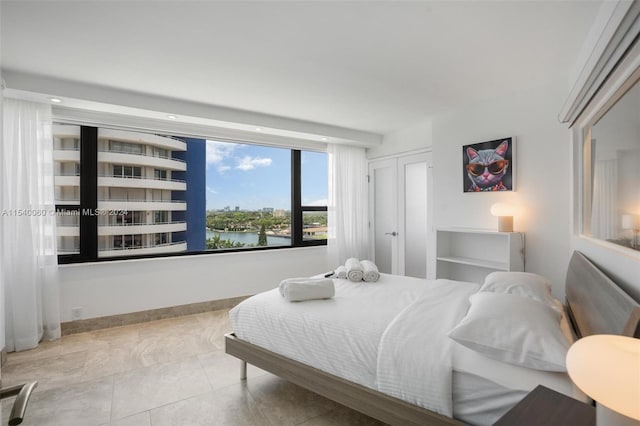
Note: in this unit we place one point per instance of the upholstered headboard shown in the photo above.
(596, 304)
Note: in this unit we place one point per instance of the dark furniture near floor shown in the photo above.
(546, 407)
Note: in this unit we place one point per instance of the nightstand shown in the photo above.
(546, 407)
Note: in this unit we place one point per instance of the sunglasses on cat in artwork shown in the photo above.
(495, 168)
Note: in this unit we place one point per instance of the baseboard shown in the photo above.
(91, 324)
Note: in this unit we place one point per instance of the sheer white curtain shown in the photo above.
(604, 209)
(28, 253)
(348, 234)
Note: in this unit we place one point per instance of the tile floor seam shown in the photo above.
(10, 365)
(311, 418)
(158, 364)
(170, 402)
(203, 369)
(165, 405)
(258, 406)
(113, 390)
(13, 363)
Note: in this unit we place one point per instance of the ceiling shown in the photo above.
(370, 66)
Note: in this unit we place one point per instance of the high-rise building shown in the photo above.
(141, 201)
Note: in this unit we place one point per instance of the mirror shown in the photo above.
(611, 165)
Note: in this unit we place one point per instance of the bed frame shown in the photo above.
(596, 305)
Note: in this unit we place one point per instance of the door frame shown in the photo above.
(397, 161)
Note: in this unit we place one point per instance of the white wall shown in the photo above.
(117, 287)
(542, 169)
(413, 137)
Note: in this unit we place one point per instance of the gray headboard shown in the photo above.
(596, 304)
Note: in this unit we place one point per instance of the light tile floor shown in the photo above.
(161, 373)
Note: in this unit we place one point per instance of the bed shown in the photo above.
(375, 352)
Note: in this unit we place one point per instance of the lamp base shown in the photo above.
(505, 223)
(607, 417)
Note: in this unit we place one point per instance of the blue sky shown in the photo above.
(254, 177)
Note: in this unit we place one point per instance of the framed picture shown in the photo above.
(489, 166)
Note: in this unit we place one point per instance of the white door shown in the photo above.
(412, 215)
(383, 218)
(400, 214)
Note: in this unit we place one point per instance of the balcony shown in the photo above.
(142, 182)
(69, 201)
(143, 138)
(141, 228)
(67, 180)
(139, 251)
(142, 205)
(68, 231)
(139, 159)
(66, 155)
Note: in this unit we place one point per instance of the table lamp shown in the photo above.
(504, 212)
(630, 221)
(607, 368)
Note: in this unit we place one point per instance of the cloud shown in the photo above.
(322, 202)
(217, 152)
(249, 163)
(211, 190)
(223, 168)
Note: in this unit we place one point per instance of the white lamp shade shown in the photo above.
(629, 221)
(502, 209)
(505, 213)
(607, 368)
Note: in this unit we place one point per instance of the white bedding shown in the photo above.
(414, 363)
(338, 335)
(367, 334)
(512, 376)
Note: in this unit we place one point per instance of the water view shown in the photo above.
(248, 238)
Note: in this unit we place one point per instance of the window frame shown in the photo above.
(88, 208)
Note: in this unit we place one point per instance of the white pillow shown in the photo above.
(513, 329)
(523, 284)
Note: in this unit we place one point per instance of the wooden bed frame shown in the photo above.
(596, 305)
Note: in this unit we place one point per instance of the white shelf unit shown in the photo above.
(471, 254)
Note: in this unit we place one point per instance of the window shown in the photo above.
(127, 171)
(161, 217)
(127, 218)
(314, 179)
(126, 147)
(161, 238)
(205, 195)
(67, 188)
(160, 174)
(611, 199)
(123, 242)
(256, 180)
(162, 153)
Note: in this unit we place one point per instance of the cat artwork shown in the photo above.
(487, 169)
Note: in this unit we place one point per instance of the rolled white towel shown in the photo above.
(341, 272)
(299, 289)
(354, 269)
(370, 271)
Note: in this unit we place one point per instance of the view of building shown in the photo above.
(142, 192)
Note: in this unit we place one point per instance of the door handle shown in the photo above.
(393, 234)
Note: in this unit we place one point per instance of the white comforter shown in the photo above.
(414, 355)
(356, 334)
